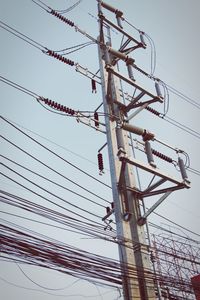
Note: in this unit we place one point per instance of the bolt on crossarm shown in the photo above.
(137, 278)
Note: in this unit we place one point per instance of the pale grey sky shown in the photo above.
(174, 28)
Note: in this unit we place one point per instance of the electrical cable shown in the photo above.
(50, 168)
(47, 191)
(194, 171)
(79, 46)
(41, 4)
(64, 11)
(170, 88)
(19, 87)
(22, 36)
(55, 154)
(57, 184)
(53, 215)
(48, 200)
(178, 225)
(54, 143)
(43, 287)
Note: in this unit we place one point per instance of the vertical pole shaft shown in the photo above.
(137, 278)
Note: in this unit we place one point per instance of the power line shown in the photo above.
(54, 143)
(22, 36)
(55, 154)
(178, 225)
(51, 193)
(59, 185)
(19, 87)
(64, 11)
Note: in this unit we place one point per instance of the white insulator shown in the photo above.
(120, 140)
(133, 129)
(142, 38)
(158, 91)
(182, 168)
(130, 72)
(149, 153)
(119, 22)
(108, 7)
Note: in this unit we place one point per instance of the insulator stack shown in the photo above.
(94, 89)
(58, 106)
(182, 169)
(100, 162)
(152, 110)
(96, 119)
(162, 156)
(149, 153)
(62, 18)
(60, 57)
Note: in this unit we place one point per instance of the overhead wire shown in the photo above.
(41, 4)
(178, 225)
(47, 191)
(78, 225)
(173, 90)
(19, 87)
(48, 200)
(166, 279)
(111, 264)
(54, 153)
(64, 11)
(54, 143)
(52, 169)
(21, 36)
(57, 184)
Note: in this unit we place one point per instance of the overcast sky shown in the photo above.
(174, 28)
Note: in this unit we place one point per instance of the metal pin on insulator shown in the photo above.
(96, 119)
(158, 91)
(100, 163)
(182, 169)
(149, 153)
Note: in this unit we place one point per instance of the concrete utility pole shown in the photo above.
(137, 278)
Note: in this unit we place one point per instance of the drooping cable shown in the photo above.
(64, 11)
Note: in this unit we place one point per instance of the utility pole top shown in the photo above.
(138, 278)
